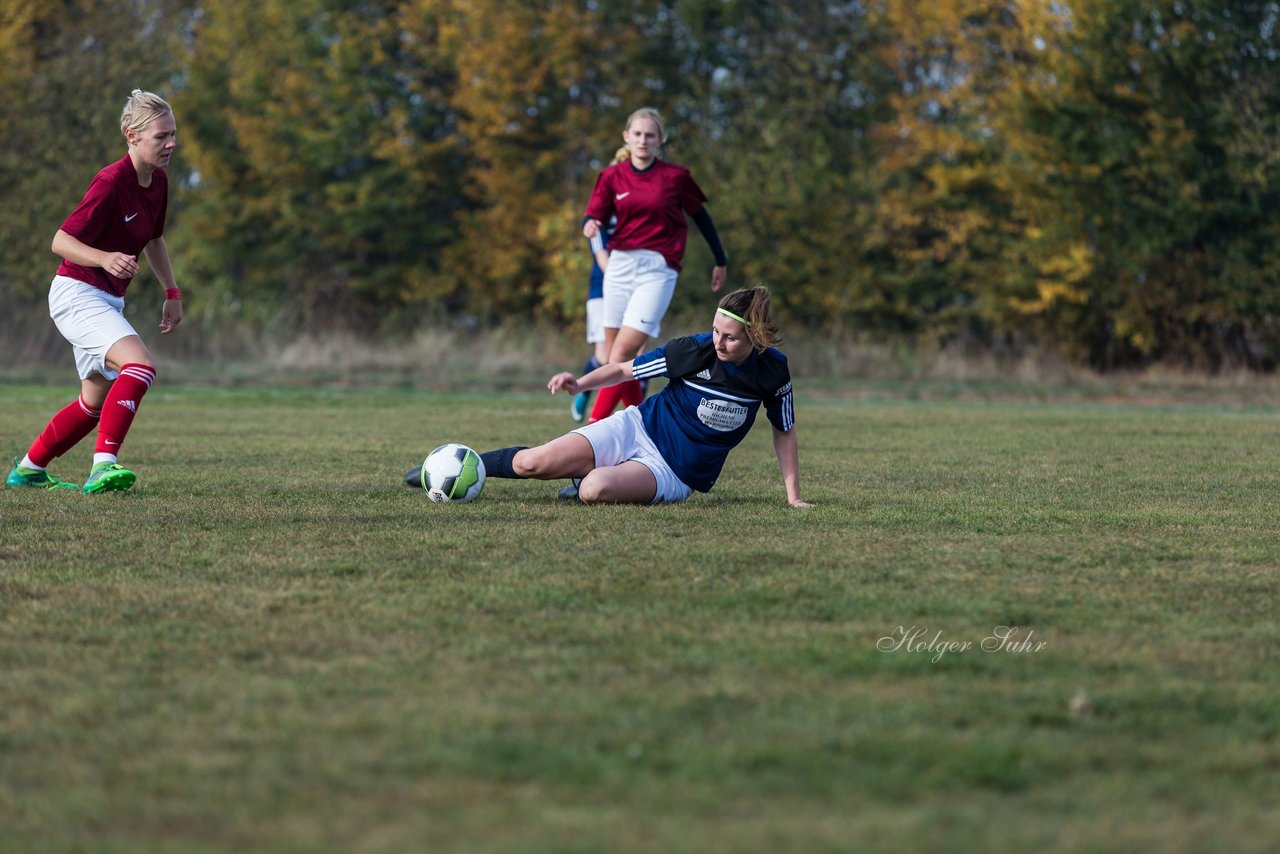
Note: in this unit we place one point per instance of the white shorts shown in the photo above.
(621, 438)
(595, 320)
(638, 286)
(91, 320)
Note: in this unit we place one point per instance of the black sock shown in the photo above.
(498, 463)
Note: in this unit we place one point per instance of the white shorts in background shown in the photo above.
(620, 438)
(91, 320)
(638, 286)
(595, 320)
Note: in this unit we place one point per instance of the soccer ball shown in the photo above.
(453, 472)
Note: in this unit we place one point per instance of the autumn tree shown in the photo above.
(69, 66)
(1150, 140)
(327, 160)
(781, 100)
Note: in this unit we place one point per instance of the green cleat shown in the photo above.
(108, 477)
(35, 479)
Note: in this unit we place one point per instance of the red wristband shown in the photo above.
(172, 293)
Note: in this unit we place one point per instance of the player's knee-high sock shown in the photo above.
(591, 364)
(632, 394)
(498, 463)
(121, 406)
(68, 427)
(606, 399)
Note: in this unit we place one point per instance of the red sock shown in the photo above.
(632, 393)
(73, 423)
(122, 404)
(606, 399)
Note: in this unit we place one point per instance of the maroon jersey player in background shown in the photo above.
(650, 198)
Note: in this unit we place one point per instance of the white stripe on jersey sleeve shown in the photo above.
(788, 412)
(656, 368)
(597, 243)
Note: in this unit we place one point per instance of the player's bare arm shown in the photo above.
(787, 449)
(157, 255)
(118, 264)
(605, 375)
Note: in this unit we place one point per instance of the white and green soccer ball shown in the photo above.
(452, 473)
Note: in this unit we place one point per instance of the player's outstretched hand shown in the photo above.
(797, 502)
(563, 381)
(719, 275)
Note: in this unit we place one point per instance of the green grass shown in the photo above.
(270, 644)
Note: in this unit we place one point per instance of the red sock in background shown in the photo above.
(73, 423)
(628, 393)
(606, 399)
(632, 393)
(122, 404)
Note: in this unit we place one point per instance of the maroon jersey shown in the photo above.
(116, 215)
(650, 206)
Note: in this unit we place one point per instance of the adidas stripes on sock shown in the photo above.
(122, 405)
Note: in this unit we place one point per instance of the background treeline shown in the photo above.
(1099, 177)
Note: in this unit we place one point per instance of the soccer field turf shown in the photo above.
(271, 643)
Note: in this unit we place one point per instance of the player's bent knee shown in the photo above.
(604, 491)
(531, 463)
(592, 491)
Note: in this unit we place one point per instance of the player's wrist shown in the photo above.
(173, 293)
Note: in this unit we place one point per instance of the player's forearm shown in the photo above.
(157, 255)
(702, 219)
(788, 451)
(605, 375)
(71, 248)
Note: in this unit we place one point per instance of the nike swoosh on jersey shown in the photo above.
(620, 196)
(130, 217)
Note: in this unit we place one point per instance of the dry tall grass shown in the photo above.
(522, 356)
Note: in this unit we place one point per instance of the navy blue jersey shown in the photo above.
(708, 407)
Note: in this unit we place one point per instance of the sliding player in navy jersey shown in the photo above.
(675, 442)
(651, 199)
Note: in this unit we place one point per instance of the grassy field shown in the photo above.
(271, 644)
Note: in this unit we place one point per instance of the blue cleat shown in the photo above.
(578, 407)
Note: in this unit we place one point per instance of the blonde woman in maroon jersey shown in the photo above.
(121, 216)
(651, 199)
